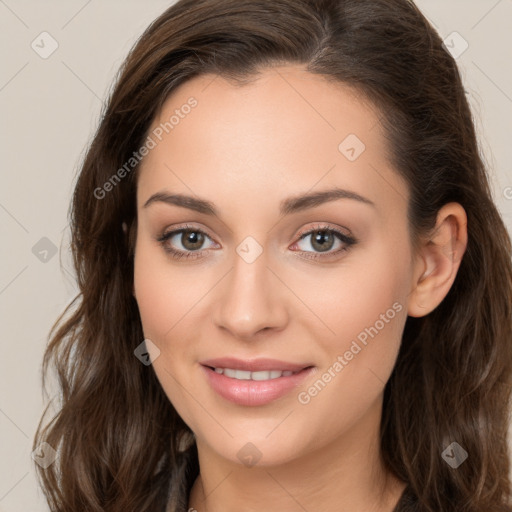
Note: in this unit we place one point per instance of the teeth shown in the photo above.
(246, 375)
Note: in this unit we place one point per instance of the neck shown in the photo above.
(345, 475)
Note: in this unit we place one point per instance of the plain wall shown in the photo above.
(49, 110)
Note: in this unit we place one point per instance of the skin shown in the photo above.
(245, 149)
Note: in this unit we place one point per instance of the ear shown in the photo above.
(438, 260)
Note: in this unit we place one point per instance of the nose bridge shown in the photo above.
(250, 299)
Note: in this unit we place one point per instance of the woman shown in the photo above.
(295, 289)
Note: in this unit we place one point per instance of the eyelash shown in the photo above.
(178, 254)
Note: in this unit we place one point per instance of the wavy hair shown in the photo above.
(121, 446)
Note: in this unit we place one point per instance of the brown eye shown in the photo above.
(192, 240)
(186, 242)
(323, 242)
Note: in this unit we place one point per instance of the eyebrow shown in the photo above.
(287, 206)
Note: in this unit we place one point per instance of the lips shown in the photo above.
(254, 392)
(255, 365)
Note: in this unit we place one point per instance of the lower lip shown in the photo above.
(254, 392)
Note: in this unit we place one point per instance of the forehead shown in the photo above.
(286, 131)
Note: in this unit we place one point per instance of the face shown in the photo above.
(246, 269)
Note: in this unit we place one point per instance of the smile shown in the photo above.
(254, 388)
(247, 375)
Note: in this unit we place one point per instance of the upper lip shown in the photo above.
(254, 365)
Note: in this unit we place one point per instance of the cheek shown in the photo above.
(358, 295)
(165, 303)
(363, 304)
(171, 301)
(153, 294)
(164, 296)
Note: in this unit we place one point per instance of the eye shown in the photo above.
(323, 239)
(189, 242)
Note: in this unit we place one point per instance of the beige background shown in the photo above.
(49, 109)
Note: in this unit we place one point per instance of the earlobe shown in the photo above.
(438, 260)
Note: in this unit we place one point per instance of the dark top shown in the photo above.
(407, 502)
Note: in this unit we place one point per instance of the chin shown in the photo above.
(258, 448)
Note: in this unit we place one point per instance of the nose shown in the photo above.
(251, 300)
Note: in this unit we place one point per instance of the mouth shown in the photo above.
(257, 386)
(259, 375)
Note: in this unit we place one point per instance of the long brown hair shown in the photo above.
(117, 436)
